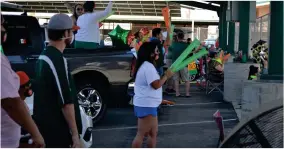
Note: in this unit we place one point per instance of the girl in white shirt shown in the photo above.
(148, 94)
(88, 36)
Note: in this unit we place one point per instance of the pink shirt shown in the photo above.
(10, 83)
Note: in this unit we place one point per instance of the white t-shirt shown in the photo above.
(145, 94)
(89, 26)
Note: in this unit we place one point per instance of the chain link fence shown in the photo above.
(258, 31)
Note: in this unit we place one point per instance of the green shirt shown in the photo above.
(169, 54)
(52, 93)
(177, 49)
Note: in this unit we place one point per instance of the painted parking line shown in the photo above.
(193, 104)
(164, 125)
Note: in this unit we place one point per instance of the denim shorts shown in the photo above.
(141, 112)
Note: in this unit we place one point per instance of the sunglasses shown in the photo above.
(79, 9)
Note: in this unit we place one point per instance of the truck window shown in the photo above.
(23, 35)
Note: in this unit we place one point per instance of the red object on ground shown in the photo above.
(167, 102)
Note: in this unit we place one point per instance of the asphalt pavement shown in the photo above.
(188, 124)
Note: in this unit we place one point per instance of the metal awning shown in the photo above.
(138, 8)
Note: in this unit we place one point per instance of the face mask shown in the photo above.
(67, 41)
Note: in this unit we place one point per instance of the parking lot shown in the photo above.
(188, 124)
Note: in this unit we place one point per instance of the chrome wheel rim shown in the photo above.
(90, 100)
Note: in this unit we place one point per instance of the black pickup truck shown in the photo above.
(101, 75)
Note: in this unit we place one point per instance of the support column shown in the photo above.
(220, 26)
(223, 27)
(275, 57)
(192, 28)
(244, 11)
(231, 46)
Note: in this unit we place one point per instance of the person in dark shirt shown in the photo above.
(177, 48)
(157, 38)
(189, 41)
(215, 67)
(56, 110)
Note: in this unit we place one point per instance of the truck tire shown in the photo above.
(92, 97)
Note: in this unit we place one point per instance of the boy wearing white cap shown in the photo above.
(56, 111)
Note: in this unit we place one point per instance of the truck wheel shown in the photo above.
(92, 97)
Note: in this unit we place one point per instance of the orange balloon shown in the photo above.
(226, 57)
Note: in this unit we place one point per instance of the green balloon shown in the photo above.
(119, 34)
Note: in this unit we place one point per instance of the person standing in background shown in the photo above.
(157, 38)
(169, 61)
(88, 36)
(56, 109)
(178, 47)
(14, 113)
(189, 41)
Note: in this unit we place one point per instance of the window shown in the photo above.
(23, 35)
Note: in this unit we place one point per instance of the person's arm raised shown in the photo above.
(101, 14)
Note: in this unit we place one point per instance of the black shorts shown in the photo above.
(56, 140)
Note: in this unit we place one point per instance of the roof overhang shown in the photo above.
(141, 8)
(214, 5)
(5, 6)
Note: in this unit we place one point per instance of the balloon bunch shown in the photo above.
(184, 59)
(259, 51)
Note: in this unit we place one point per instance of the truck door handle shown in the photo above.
(31, 58)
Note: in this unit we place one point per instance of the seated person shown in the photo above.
(215, 67)
(88, 36)
(253, 72)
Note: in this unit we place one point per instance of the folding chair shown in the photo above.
(219, 121)
(213, 82)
